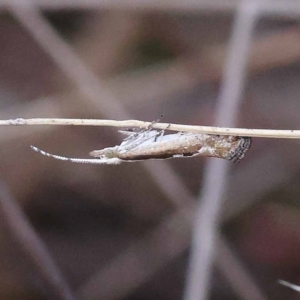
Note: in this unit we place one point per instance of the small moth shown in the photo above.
(152, 144)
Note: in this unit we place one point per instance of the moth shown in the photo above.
(152, 144)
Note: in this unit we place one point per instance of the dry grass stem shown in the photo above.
(264, 133)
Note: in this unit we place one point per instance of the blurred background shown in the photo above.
(124, 232)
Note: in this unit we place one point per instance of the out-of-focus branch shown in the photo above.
(282, 8)
(66, 58)
(216, 179)
(32, 247)
(234, 271)
(274, 50)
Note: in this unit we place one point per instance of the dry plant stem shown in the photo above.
(32, 247)
(264, 133)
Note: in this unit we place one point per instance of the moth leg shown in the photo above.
(133, 135)
(143, 139)
(130, 134)
(150, 126)
(161, 133)
(127, 132)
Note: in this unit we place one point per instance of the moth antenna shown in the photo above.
(94, 161)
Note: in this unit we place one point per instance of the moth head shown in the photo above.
(106, 152)
(109, 153)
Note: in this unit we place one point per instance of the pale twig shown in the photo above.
(264, 133)
(290, 285)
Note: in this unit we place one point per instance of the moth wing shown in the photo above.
(140, 139)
